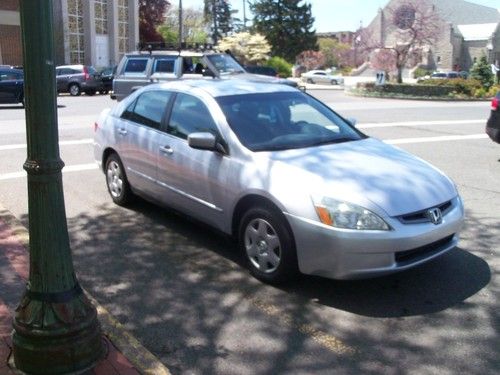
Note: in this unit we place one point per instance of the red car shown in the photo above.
(493, 124)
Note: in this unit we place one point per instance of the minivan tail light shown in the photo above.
(494, 104)
(86, 72)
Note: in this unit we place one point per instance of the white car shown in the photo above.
(322, 76)
(297, 185)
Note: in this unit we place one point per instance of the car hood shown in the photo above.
(369, 173)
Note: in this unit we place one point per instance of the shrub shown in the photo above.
(421, 72)
(283, 68)
(482, 72)
(461, 86)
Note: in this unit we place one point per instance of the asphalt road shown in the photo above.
(183, 291)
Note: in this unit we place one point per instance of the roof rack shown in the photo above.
(162, 46)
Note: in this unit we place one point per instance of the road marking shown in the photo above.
(62, 143)
(417, 123)
(69, 168)
(444, 138)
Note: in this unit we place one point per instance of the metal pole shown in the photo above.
(214, 16)
(55, 327)
(180, 25)
(244, 16)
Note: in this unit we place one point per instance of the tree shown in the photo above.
(218, 13)
(151, 15)
(286, 24)
(385, 60)
(416, 24)
(246, 47)
(336, 53)
(194, 26)
(311, 59)
(481, 71)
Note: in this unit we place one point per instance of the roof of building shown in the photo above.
(460, 12)
(480, 31)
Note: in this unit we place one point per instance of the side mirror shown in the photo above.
(208, 73)
(205, 141)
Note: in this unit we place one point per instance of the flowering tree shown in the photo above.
(246, 47)
(416, 24)
(385, 60)
(311, 59)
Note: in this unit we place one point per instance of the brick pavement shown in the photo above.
(14, 271)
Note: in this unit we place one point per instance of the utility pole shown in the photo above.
(214, 16)
(180, 25)
(56, 330)
(244, 15)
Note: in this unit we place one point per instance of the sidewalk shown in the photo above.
(125, 355)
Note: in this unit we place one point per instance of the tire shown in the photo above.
(90, 92)
(74, 89)
(309, 80)
(116, 181)
(333, 82)
(268, 245)
(103, 92)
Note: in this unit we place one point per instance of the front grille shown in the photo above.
(422, 217)
(419, 253)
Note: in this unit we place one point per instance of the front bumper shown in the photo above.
(351, 254)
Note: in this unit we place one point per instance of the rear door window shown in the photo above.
(164, 65)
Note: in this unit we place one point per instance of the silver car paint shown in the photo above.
(370, 173)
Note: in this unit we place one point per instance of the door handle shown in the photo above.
(122, 132)
(167, 150)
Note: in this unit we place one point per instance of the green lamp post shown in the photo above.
(56, 330)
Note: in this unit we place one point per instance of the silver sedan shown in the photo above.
(300, 188)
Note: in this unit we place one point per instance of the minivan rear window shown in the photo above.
(135, 66)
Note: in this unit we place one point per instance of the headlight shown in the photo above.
(347, 215)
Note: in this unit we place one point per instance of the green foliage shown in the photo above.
(435, 88)
(193, 25)
(482, 72)
(151, 15)
(283, 68)
(222, 22)
(421, 72)
(336, 54)
(286, 24)
(460, 86)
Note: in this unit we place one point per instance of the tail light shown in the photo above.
(494, 104)
(96, 126)
(86, 72)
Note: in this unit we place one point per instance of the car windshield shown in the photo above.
(225, 64)
(282, 121)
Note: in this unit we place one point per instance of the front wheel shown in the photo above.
(334, 82)
(268, 244)
(116, 181)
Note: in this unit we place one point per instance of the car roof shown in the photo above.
(11, 70)
(225, 87)
(75, 66)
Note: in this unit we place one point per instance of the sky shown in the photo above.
(336, 15)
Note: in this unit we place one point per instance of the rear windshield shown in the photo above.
(135, 66)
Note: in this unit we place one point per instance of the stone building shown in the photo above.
(92, 32)
(467, 31)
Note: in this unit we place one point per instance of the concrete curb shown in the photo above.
(144, 361)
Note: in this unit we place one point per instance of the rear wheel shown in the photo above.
(267, 242)
(309, 80)
(90, 92)
(74, 89)
(333, 82)
(116, 181)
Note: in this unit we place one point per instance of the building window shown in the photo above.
(404, 17)
(75, 27)
(101, 16)
(123, 26)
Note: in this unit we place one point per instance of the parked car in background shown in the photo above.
(297, 185)
(140, 68)
(493, 124)
(107, 75)
(447, 75)
(263, 70)
(322, 76)
(11, 86)
(76, 79)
